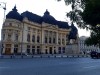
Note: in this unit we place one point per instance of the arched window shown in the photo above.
(33, 38)
(28, 37)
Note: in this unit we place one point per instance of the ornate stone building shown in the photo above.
(28, 33)
(84, 49)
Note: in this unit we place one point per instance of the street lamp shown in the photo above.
(3, 5)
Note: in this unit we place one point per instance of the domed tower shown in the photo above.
(47, 18)
(11, 32)
(14, 14)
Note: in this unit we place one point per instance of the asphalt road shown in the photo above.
(50, 66)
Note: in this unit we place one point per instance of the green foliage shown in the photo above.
(86, 14)
(91, 13)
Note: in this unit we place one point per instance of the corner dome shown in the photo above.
(47, 18)
(14, 14)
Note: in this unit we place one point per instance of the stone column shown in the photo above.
(61, 38)
(57, 38)
(4, 48)
(12, 48)
(65, 39)
(48, 36)
(36, 36)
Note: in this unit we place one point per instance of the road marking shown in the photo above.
(89, 66)
(3, 67)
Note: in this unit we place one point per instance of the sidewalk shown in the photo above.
(42, 56)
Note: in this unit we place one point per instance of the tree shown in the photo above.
(91, 17)
(86, 14)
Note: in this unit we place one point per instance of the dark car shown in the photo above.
(95, 54)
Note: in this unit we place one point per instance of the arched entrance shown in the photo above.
(8, 49)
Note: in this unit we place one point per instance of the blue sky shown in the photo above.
(57, 10)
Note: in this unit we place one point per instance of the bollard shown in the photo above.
(48, 56)
(41, 56)
(32, 56)
(11, 56)
(22, 56)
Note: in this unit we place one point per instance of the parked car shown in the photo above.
(94, 54)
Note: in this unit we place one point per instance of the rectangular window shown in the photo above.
(59, 50)
(28, 49)
(33, 38)
(63, 42)
(16, 37)
(3, 37)
(9, 36)
(15, 49)
(63, 49)
(54, 40)
(10, 24)
(38, 50)
(50, 39)
(46, 40)
(33, 49)
(38, 39)
(28, 37)
(59, 41)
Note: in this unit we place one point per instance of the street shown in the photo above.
(50, 66)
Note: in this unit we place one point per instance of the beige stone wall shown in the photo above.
(42, 30)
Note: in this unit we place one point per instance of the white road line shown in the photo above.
(90, 66)
(3, 67)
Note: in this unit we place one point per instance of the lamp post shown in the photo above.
(3, 5)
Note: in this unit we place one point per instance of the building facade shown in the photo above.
(84, 49)
(28, 33)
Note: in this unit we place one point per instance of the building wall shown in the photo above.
(17, 38)
(86, 49)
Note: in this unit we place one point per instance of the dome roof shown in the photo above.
(73, 32)
(14, 14)
(47, 18)
(62, 24)
(32, 17)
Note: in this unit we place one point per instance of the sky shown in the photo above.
(57, 9)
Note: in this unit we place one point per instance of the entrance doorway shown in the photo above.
(8, 49)
(50, 50)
